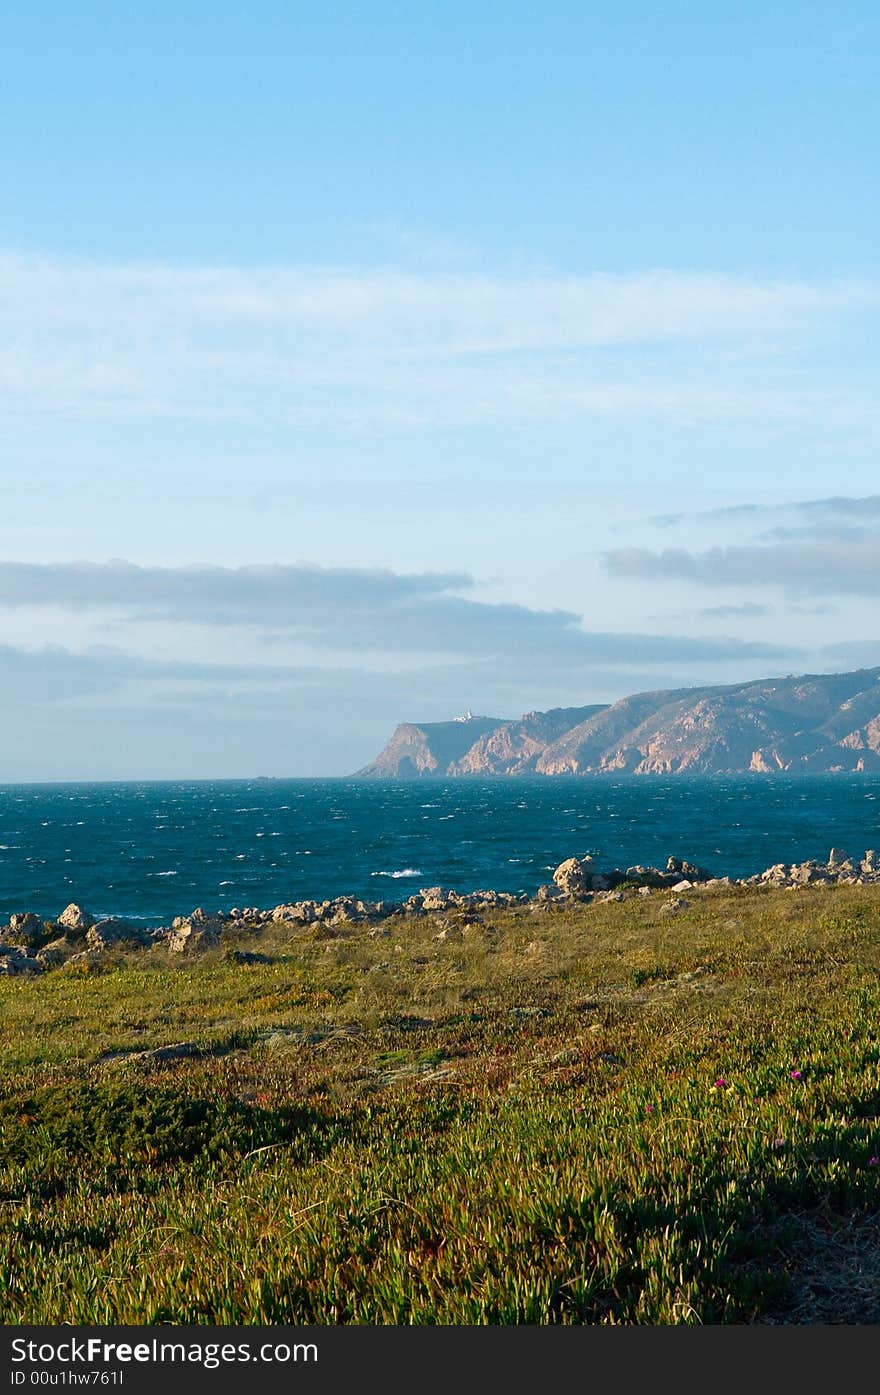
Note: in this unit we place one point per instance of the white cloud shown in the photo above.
(361, 350)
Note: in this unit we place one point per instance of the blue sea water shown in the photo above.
(149, 851)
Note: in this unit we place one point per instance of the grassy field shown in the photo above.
(599, 1114)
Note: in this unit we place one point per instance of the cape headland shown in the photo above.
(810, 724)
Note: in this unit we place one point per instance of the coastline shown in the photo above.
(31, 947)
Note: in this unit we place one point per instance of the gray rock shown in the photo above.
(199, 930)
(777, 875)
(54, 954)
(435, 898)
(188, 937)
(449, 933)
(15, 961)
(809, 874)
(343, 915)
(297, 912)
(201, 917)
(85, 960)
(647, 876)
(575, 876)
(105, 934)
(73, 917)
(25, 928)
(690, 870)
(672, 907)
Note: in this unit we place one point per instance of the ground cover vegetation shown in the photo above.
(552, 1113)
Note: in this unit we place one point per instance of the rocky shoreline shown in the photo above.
(77, 940)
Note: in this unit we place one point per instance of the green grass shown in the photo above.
(524, 1124)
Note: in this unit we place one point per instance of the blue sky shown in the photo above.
(362, 363)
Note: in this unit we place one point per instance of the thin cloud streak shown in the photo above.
(836, 510)
(359, 351)
(205, 593)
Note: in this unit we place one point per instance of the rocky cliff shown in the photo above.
(818, 722)
(432, 748)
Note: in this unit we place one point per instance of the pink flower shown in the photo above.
(874, 1162)
(648, 1109)
(779, 1143)
(720, 1083)
(796, 1074)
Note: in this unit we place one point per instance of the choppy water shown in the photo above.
(154, 850)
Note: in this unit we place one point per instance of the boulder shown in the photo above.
(202, 917)
(647, 876)
(24, 928)
(54, 954)
(672, 907)
(105, 934)
(449, 932)
(297, 912)
(574, 877)
(342, 916)
(549, 892)
(689, 870)
(809, 874)
(777, 875)
(344, 908)
(200, 930)
(435, 898)
(85, 961)
(187, 936)
(485, 899)
(14, 960)
(870, 863)
(73, 917)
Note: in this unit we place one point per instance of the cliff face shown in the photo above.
(515, 747)
(815, 723)
(428, 749)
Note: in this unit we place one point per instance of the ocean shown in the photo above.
(150, 851)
